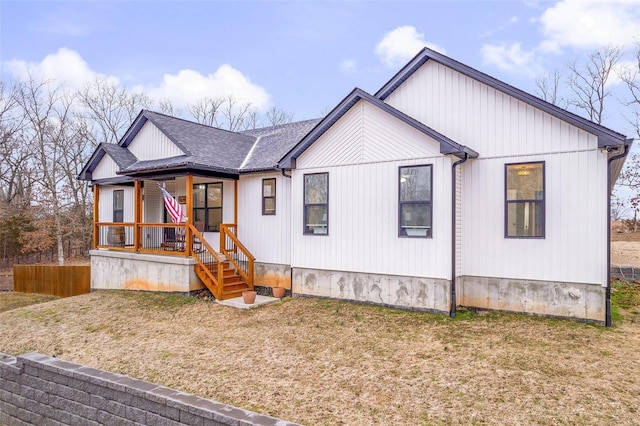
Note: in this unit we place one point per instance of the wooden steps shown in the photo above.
(232, 284)
(226, 273)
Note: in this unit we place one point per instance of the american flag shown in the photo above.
(173, 207)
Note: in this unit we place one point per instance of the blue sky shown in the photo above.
(303, 57)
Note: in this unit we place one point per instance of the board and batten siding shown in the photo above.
(268, 237)
(105, 169)
(575, 244)
(362, 153)
(106, 203)
(505, 130)
(153, 204)
(151, 144)
(474, 114)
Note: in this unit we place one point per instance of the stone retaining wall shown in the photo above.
(627, 273)
(38, 389)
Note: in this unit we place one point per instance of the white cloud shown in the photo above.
(348, 66)
(67, 67)
(401, 44)
(590, 24)
(514, 20)
(188, 86)
(511, 58)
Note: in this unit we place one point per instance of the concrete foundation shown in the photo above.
(428, 294)
(115, 270)
(272, 275)
(556, 299)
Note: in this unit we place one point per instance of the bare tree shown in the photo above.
(631, 78)
(619, 209)
(110, 108)
(206, 111)
(166, 107)
(548, 88)
(234, 113)
(54, 137)
(14, 155)
(252, 120)
(588, 82)
(277, 116)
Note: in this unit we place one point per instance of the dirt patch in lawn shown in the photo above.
(625, 249)
(327, 362)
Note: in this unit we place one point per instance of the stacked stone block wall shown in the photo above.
(38, 389)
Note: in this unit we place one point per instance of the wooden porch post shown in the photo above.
(235, 203)
(189, 214)
(137, 214)
(96, 215)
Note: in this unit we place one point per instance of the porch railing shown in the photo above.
(162, 238)
(115, 235)
(210, 263)
(236, 253)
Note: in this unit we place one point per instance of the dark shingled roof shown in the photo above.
(273, 143)
(122, 156)
(203, 145)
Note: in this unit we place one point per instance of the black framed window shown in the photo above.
(269, 196)
(415, 201)
(207, 205)
(316, 204)
(118, 205)
(524, 200)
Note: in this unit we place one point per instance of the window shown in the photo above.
(415, 207)
(207, 205)
(524, 206)
(316, 204)
(269, 196)
(118, 205)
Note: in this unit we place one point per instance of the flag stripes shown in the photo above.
(173, 207)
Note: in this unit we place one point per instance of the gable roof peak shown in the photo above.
(447, 146)
(606, 137)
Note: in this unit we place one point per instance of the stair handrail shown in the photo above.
(219, 260)
(225, 230)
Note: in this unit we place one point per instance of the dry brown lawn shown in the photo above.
(327, 362)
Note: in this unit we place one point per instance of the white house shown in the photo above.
(447, 187)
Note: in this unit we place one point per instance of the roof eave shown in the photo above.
(179, 167)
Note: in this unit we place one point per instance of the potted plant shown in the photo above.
(278, 292)
(249, 297)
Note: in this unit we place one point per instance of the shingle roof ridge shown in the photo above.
(192, 122)
(280, 125)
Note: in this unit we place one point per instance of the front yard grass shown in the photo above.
(322, 362)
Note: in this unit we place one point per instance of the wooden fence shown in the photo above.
(61, 281)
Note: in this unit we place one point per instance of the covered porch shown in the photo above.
(137, 246)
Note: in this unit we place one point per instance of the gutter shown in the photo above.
(284, 174)
(452, 311)
(607, 321)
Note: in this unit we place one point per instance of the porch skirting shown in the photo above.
(547, 298)
(419, 293)
(114, 270)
